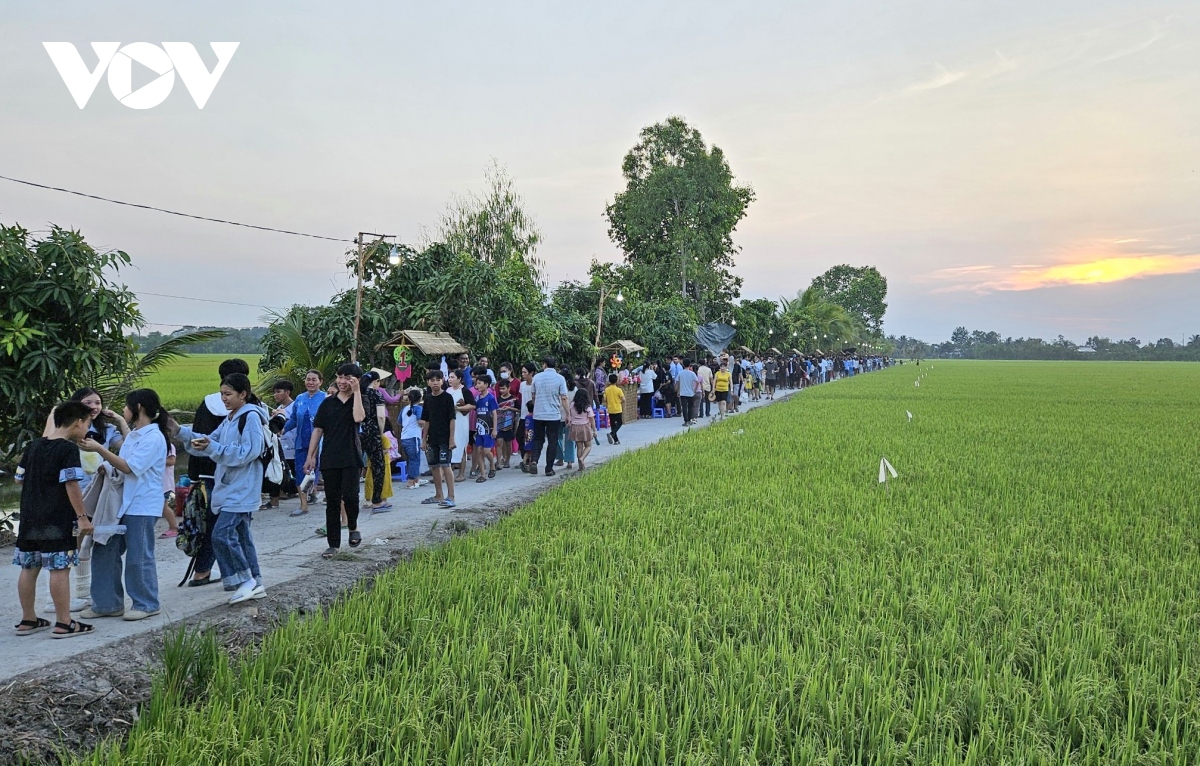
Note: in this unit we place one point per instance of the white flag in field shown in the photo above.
(909, 415)
(885, 468)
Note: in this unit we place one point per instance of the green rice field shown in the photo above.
(186, 381)
(1027, 591)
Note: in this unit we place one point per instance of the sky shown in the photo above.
(1024, 167)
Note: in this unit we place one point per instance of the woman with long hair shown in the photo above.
(581, 424)
(464, 404)
(378, 475)
(143, 458)
(566, 447)
(236, 447)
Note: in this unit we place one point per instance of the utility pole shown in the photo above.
(600, 324)
(358, 298)
(682, 259)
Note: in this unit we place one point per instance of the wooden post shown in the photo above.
(358, 300)
(599, 326)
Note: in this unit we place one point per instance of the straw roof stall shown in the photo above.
(624, 346)
(773, 350)
(745, 350)
(428, 343)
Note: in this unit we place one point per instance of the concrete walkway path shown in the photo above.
(289, 549)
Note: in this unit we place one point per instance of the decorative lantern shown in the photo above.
(403, 369)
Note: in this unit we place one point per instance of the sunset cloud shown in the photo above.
(1032, 277)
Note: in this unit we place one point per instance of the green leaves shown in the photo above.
(675, 219)
(861, 291)
(15, 335)
(62, 325)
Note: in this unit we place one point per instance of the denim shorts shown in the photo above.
(438, 455)
(39, 560)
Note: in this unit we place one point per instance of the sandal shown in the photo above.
(431, 501)
(31, 626)
(329, 553)
(71, 629)
(298, 512)
(355, 539)
(481, 480)
(492, 473)
(195, 583)
(474, 472)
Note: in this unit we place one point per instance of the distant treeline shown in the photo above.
(977, 344)
(240, 340)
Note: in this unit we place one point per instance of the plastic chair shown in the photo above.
(400, 472)
(601, 418)
(657, 412)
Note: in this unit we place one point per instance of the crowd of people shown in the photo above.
(96, 483)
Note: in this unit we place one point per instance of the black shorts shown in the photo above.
(506, 435)
(722, 396)
(438, 454)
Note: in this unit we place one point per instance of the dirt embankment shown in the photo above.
(52, 713)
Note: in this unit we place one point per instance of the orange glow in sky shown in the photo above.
(1104, 270)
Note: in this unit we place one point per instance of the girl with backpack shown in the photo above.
(237, 447)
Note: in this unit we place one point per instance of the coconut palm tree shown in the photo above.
(298, 357)
(810, 314)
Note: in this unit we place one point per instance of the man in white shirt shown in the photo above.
(549, 408)
(706, 386)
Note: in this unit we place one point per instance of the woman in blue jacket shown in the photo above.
(304, 409)
(236, 446)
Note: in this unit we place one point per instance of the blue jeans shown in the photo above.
(412, 457)
(566, 447)
(234, 546)
(140, 575)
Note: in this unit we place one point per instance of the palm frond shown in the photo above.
(152, 361)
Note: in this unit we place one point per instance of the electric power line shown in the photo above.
(210, 300)
(173, 212)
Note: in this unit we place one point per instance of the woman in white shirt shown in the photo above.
(464, 402)
(143, 458)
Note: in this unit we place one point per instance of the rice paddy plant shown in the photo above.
(1024, 593)
(185, 382)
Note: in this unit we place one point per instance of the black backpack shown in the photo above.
(193, 525)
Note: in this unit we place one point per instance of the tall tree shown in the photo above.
(860, 290)
(63, 325)
(675, 219)
(494, 226)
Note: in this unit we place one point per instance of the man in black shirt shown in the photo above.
(437, 431)
(337, 420)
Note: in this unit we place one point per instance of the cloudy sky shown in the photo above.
(1024, 167)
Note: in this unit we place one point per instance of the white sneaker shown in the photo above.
(244, 592)
(77, 605)
(258, 593)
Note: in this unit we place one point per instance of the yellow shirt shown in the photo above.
(722, 381)
(614, 399)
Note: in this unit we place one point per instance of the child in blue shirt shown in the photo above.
(485, 429)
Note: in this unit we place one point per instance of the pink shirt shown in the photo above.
(581, 418)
